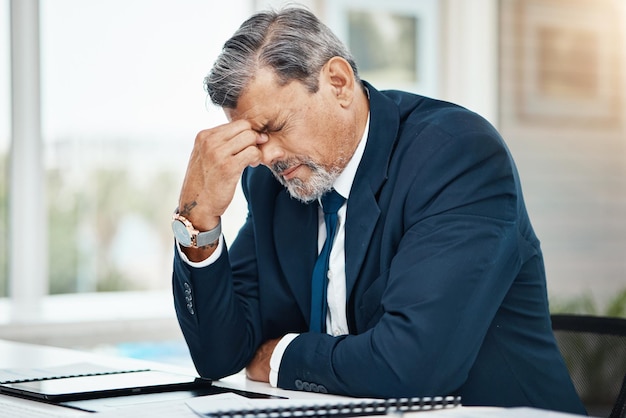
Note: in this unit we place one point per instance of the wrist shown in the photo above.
(199, 255)
(189, 235)
(277, 356)
(200, 216)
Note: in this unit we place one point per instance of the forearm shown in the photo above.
(212, 318)
(363, 366)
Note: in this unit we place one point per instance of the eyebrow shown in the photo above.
(272, 126)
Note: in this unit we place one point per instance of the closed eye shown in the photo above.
(271, 128)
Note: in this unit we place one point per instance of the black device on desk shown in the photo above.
(102, 385)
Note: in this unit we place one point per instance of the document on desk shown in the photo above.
(235, 406)
(179, 408)
(22, 408)
(171, 408)
(232, 405)
(192, 408)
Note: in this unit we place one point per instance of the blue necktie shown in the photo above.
(331, 202)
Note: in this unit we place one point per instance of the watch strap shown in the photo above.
(208, 237)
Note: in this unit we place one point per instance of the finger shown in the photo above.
(244, 140)
(249, 156)
(216, 145)
(227, 131)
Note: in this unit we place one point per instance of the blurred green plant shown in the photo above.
(585, 304)
(86, 218)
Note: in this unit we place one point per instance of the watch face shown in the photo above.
(181, 233)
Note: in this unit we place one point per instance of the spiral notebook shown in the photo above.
(230, 406)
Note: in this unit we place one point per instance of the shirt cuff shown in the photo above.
(212, 258)
(277, 357)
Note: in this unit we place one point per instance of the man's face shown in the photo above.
(309, 141)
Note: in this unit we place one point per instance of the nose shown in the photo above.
(270, 151)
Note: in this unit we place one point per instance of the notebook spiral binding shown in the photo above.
(346, 409)
(66, 376)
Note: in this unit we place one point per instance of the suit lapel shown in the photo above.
(363, 212)
(363, 209)
(295, 231)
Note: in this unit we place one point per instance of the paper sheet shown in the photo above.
(171, 408)
(20, 408)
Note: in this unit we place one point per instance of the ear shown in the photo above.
(339, 77)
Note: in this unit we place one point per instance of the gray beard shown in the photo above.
(320, 182)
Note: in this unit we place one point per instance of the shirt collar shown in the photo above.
(343, 183)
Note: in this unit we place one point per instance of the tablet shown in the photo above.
(132, 382)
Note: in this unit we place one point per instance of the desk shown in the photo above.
(21, 355)
(14, 355)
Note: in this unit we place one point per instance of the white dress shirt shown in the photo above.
(336, 320)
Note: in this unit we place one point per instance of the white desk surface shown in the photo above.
(19, 355)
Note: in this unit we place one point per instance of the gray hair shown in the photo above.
(292, 42)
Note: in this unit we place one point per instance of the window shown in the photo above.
(121, 102)
(5, 125)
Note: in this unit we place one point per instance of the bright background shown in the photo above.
(122, 99)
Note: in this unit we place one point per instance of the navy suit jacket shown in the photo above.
(444, 274)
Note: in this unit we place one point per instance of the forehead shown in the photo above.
(264, 99)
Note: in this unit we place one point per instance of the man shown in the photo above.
(435, 283)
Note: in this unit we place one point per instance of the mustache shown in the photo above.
(281, 166)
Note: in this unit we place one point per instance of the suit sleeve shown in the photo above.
(456, 259)
(216, 314)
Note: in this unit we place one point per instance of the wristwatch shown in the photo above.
(188, 236)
